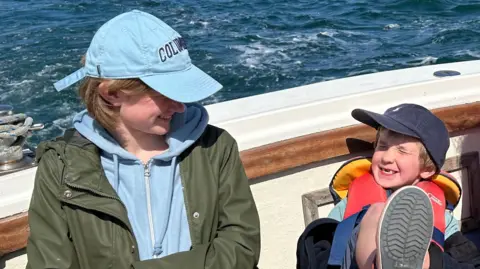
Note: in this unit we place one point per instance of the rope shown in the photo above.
(13, 133)
(8, 130)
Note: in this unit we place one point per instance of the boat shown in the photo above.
(292, 141)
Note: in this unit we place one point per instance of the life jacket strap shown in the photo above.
(342, 235)
(438, 238)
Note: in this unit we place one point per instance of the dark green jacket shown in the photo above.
(78, 221)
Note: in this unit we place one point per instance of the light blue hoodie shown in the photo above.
(152, 193)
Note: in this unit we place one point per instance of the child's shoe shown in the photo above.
(405, 230)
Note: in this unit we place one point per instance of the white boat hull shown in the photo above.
(266, 121)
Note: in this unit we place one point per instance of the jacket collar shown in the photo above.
(84, 178)
(83, 167)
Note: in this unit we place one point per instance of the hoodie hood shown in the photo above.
(185, 129)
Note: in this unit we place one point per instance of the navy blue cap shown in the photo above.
(412, 120)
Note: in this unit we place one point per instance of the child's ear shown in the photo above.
(427, 172)
(114, 98)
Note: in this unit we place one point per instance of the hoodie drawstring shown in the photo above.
(116, 178)
(158, 246)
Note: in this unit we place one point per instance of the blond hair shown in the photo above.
(99, 108)
(425, 161)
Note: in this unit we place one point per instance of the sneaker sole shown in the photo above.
(406, 227)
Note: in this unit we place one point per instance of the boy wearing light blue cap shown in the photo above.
(142, 181)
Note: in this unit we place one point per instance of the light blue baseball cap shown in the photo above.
(136, 44)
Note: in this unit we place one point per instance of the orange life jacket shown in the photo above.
(354, 180)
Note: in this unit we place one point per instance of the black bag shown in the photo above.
(313, 248)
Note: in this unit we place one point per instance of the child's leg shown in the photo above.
(366, 247)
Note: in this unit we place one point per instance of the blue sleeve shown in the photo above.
(451, 224)
(339, 210)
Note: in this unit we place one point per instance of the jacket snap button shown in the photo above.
(196, 215)
(133, 249)
(67, 193)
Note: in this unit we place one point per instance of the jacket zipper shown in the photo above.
(146, 175)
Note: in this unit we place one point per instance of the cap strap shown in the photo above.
(70, 79)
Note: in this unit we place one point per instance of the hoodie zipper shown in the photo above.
(146, 176)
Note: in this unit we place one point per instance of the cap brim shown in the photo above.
(187, 86)
(70, 79)
(375, 120)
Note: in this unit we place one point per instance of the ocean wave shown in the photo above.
(474, 54)
(467, 8)
(257, 55)
(420, 5)
(428, 60)
(455, 36)
(391, 26)
(251, 47)
(362, 72)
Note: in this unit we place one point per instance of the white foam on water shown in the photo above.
(423, 61)
(328, 33)
(424, 23)
(20, 89)
(350, 33)
(328, 78)
(391, 26)
(300, 38)
(61, 123)
(199, 22)
(17, 89)
(283, 51)
(216, 98)
(20, 83)
(48, 69)
(361, 72)
(468, 52)
(473, 53)
(223, 66)
(255, 54)
(65, 122)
